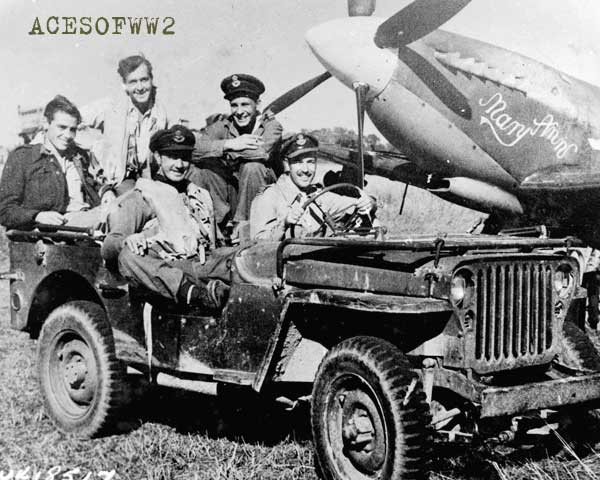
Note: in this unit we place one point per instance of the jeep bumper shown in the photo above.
(497, 401)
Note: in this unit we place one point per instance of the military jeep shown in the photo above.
(395, 342)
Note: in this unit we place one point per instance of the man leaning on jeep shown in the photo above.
(51, 182)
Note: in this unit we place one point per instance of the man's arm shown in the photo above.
(337, 206)
(214, 143)
(12, 187)
(211, 142)
(127, 216)
(270, 139)
(268, 217)
(93, 114)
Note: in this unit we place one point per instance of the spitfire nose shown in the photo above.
(346, 49)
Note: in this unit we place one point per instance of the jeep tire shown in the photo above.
(369, 413)
(80, 377)
(577, 350)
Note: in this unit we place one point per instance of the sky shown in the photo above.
(215, 38)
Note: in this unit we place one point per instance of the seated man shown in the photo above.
(160, 230)
(50, 182)
(279, 208)
(234, 154)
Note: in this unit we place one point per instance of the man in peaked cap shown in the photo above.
(235, 155)
(159, 232)
(279, 207)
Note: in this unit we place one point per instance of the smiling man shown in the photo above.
(235, 156)
(159, 232)
(50, 182)
(126, 124)
(279, 208)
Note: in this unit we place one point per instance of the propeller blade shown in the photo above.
(361, 8)
(416, 20)
(296, 93)
(439, 85)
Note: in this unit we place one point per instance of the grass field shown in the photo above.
(175, 435)
(178, 435)
(422, 212)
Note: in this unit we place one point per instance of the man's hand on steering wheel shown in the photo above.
(294, 214)
(364, 204)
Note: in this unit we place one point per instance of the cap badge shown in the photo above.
(300, 140)
(235, 82)
(178, 137)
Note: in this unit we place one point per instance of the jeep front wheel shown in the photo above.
(369, 413)
(79, 374)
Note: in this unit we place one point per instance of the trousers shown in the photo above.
(232, 191)
(164, 277)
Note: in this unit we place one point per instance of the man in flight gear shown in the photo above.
(160, 231)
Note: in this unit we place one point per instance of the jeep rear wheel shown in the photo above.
(369, 413)
(80, 376)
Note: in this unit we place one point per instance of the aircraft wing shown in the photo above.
(392, 165)
(563, 177)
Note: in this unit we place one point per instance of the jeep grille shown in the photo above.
(515, 319)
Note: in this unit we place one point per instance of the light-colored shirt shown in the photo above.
(270, 208)
(117, 133)
(74, 182)
(140, 127)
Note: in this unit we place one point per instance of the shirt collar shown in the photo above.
(49, 149)
(132, 108)
(46, 148)
(230, 124)
(289, 189)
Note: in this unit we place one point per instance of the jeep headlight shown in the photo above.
(461, 288)
(564, 280)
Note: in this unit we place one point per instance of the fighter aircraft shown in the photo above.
(485, 127)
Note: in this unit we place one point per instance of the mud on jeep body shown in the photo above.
(394, 340)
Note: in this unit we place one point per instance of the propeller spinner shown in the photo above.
(354, 50)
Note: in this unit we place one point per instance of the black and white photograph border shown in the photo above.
(450, 334)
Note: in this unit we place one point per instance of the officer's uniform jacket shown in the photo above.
(179, 221)
(33, 182)
(211, 142)
(270, 208)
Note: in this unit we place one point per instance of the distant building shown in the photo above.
(31, 121)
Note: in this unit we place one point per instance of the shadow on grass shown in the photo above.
(239, 415)
(574, 442)
(235, 414)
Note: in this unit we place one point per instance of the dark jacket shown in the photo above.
(33, 182)
(210, 143)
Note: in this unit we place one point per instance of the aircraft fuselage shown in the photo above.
(505, 132)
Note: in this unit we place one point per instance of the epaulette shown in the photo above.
(24, 146)
(268, 116)
(264, 189)
(25, 150)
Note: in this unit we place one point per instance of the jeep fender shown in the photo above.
(59, 287)
(301, 341)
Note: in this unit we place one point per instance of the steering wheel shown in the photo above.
(326, 220)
